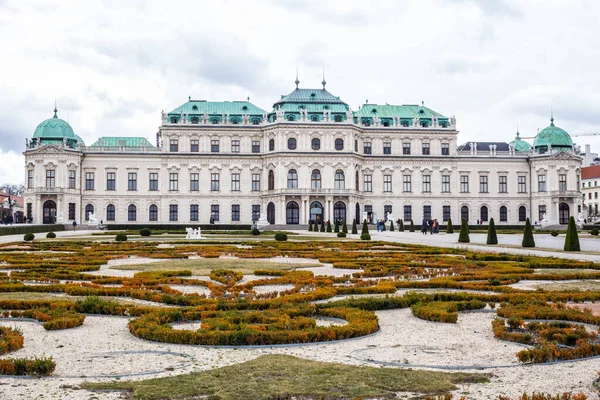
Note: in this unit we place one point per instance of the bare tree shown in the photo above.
(13, 189)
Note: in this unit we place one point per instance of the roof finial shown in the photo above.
(422, 103)
(55, 110)
(189, 98)
(517, 129)
(551, 116)
(296, 81)
(323, 82)
(248, 99)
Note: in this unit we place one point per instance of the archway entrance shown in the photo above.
(563, 213)
(339, 212)
(271, 213)
(292, 213)
(49, 212)
(316, 212)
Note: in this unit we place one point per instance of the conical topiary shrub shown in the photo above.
(310, 227)
(328, 226)
(412, 226)
(463, 236)
(354, 227)
(382, 226)
(336, 227)
(528, 235)
(449, 228)
(401, 226)
(365, 231)
(492, 238)
(344, 227)
(322, 226)
(391, 226)
(572, 238)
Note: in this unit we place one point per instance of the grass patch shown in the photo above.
(283, 376)
(204, 266)
(25, 296)
(565, 271)
(570, 286)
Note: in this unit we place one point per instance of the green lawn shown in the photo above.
(282, 377)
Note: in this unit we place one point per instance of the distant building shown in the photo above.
(15, 209)
(590, 158)
(310, 158)
(590, 187)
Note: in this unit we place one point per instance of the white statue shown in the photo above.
(579, 221)
(389, 220)
(544, 218)
(193, 234)
(92, 220)
(262, 221)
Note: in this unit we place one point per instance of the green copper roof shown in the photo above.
(116, 141)
(520, 145)
(53, 130)
(314, 96)
(552, 136)
(199, 107)
(404, 111)
(317, 108)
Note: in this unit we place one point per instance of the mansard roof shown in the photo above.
(310, 96)
(117, 141)
(484, 146)
(200, 107)
(408, 111)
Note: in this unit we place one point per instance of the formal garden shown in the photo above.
(282, 316)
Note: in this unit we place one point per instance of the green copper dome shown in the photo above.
(53, 130)
(552, 137)
(520, 145)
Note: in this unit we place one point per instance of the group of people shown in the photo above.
(380, 224)
(430, 225)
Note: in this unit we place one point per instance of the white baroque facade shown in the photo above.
(311, 157)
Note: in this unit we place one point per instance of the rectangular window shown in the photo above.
(425, 149)
(71, 211)
(132, 181)
(541, 183)
(30, 178)
(407, 213)
(173, 212)
(367, 148)
(214, 146)
(194, 212)
(50, 178)
(502, 184)
(235, 146)
(174, 181)
(153, 181)
(368, 183)
(235, 212)
(406, 183)
(214, 182)
(72, 175)
(445, 183)
(541, 212)
(426, 183)
(235, 182)
(522, 180)
(255, 182)
(445, 150)
(387, 147)
(214, 212)
(445, 213)
(406, 148)
(29, 211)
(464, 183)
(255, 212)
(194, 182)
(111, 181)
(387, 183)
(89, 181)
(195, 146)
(427, 212)
(256, 146)
(483, 184)
(174, 145)
(562, 182)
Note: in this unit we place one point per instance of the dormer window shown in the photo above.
(374, 111)
(245, 108)
(325, 107)
(337, 118)
(255, 121)
(444, 124)
(195, 120)
(386, 123)
(214, 121)
(314, 118)
(235, 121)
(404, 123)
(290, 118)
(195, 108)
(424, 124)
(312, 96)
(173, 120)
(421, 111)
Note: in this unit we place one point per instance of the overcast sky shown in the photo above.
(112, 66)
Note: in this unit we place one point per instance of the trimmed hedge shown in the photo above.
(528, 240)
(572, 238)
(281, 237)
(145, 232)
(26, 366)
(492, 238)
(463, 236)
(28, 237)
(178, 227)
(11, 339)
(25, 228)
(51, 235)
(121, 237)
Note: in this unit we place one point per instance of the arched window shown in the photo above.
(89, 209)
(356, 145)
(290, 117)
(316, 212)
(315, 179)
(131, 213)
(110, 212)
(340, 182)
(292, 179)
(214, 121)
(292, 143)
(153, 213)
(464, 213)
(337, 118)
(271, 144)
(255, 121)
(195, 120)
(339, 144)
(483, 213)
(235, 121)
(271, 180)
(503, 214)
(315, 143)
(314, 118)
(339, 212)
(292, 213)
(563, 213)
(523, 213)
(271, 213)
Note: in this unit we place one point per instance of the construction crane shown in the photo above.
(572, 135)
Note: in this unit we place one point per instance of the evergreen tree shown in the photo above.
(528, 235)
(328, 226)
(336, 227)
(449, 228)
(322, 226)
(492, 238)
(382, 226)
(412, 226)
(463, 236)
(401, 226)
(391, 226)
(365, 231)
(354, 227)
(344, 227)
(310, 227)
(572, 238)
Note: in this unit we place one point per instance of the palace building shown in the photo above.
(310, 158)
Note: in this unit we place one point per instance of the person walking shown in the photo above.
(424, 227)
(74, 226)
